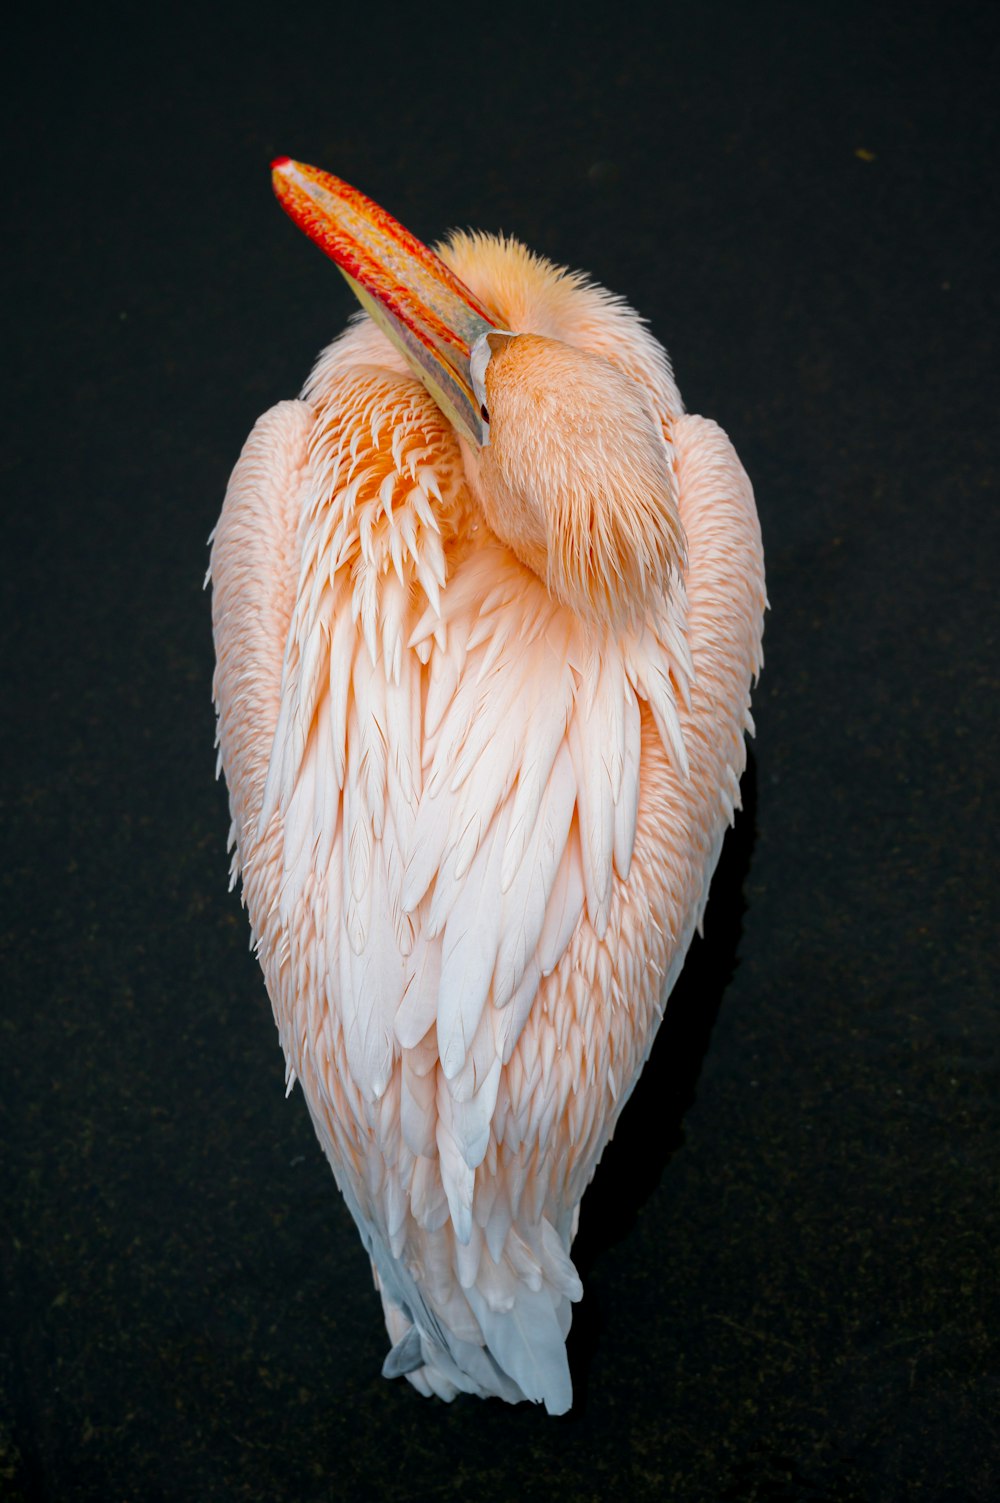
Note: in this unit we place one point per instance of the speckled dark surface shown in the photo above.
(790, 1252)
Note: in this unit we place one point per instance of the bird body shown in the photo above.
(481, 713)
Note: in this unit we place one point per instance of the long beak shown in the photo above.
(425, 310)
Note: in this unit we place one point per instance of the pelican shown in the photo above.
(487, 607)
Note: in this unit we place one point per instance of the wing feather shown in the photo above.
(564, 908)
(627, 801)
(525, 903)
(595, 810)
(469, 951)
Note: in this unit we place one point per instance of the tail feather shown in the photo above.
(528, 1344)
(503, 1336)
(519, 1305)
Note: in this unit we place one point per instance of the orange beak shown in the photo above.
(432, 317)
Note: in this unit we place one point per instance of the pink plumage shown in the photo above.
(481, 715)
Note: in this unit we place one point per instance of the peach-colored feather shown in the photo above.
(479, 786)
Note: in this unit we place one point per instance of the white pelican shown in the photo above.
(487, 608)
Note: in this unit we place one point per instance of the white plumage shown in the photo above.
(476, 826)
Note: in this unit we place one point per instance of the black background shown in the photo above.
(789, 1252)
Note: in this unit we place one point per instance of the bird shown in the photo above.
(487, 609)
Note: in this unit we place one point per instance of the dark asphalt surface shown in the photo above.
(789, 1254)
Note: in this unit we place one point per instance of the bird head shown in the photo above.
(561, 446)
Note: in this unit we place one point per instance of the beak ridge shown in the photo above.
(418, 302)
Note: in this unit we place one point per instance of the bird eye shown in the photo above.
(484, 414)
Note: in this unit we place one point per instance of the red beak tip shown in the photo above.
(279, 163)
